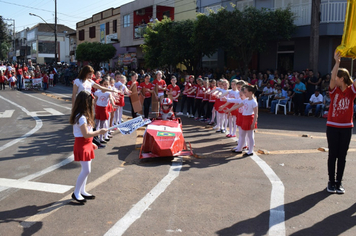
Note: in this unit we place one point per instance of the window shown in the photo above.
(92, 32)
(114, 26)
(107, 28)
(46, 47)
(81, 35)
(126, 20)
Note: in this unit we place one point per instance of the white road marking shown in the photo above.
(34, 130)
(135, 212)
(6, 114)
(44, 171)
(68, 108)
(30, 185)
(47, 112)
(277, 214)
(65, 200)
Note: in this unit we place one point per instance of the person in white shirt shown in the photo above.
(262, 101)
(315, 101)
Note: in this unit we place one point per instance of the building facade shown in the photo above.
(37, 44)
(103, 27)
(135, 17)
(292, 54)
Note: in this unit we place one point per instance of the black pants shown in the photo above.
(197, 107)
(202, 108)
(146, 106)
(338, 143)
(184, 98)
(133, 113)
(2, 86)
(298, 103)
(175, 106)
(190, 104)
(209, 110)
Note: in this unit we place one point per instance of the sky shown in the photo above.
(69, 12)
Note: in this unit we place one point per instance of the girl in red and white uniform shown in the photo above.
(340, 123)
(248, 120)
(12, 80)
(82, 119)
(211, 98)
(3, 78)
(174, 89)
(198, 98)
(161, 84)
(233, 94)
(221, 115)
(146, 90)
(101, 108)
(184, 97)
(113, 106)
(216, 93)
(204, 111)
(190, 96)
(120, 85)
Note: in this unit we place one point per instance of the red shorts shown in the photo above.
(247, 122)
(235, 112)
(12, 84)
(239, 118)
(83, 149)
(101, 113)
(121, 101)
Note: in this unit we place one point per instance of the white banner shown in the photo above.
(131, 125)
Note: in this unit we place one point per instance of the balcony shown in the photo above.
(331, 12)
(140, 31)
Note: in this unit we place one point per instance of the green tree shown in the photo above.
(5, 40)
(243, 33)
(95, 53)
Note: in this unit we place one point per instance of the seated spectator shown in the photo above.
(326, 103)
(315, 101)
(262, 101)
(281, 96)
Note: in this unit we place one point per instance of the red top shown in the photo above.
(130, 83)
(341, 107)
(212, 98)
(45, 78)
(161, 83)
(97, 81)
(25, 68)
(206, 96)
(185, 88)
(200, 92)
(146, 86)
(2, 79)
(190, 87)
(175, 91)
(19, 71)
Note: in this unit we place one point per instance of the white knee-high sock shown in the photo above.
(251, 141)
(233, 125)
(81, 181)
(226, 118)
(120, 114)
(242, 140)
(116, 116)
(230, 124)
(106, 125)
(213, 114)
(218, 120)
(101, 125)
(222, 120)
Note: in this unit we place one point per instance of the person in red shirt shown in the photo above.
(184, 97)
(19, 73)
(198, 98)
(45, 81)
(161, 84)
(97, 78)
(2, 80)
(191, 96)
(130, 85)
(174, 89)
(339, 123)
(146, 89)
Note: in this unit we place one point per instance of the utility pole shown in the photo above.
(314, 36)
(14, 35)
(55, 33)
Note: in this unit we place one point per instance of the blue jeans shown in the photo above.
(317, 109)
(274, 103)
(262, 102)
(19, 82)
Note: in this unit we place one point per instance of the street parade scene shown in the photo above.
(177, 117)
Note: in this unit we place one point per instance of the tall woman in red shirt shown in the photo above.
(339, 124)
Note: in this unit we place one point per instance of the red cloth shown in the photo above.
(191, 94)
(341, 107)
(200, 92)
(247, 122)
(45, 79)
(19, 71)
(101, 113)
(83, 149)
(239, 118)
(129, 84)
(161, 83)
(2, 79)
(174, 90)
(220, 103)
(146, 86)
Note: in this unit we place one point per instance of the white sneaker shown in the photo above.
(215, 127)
(188, 114)
(179, 113)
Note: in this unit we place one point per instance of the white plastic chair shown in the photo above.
(281, 105)
(269, 96)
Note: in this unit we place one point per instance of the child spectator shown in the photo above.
(174, 90)
(45, 81)
(51, 78)
(3, 78)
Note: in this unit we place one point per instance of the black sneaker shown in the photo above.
(331, 187)
(339, 188)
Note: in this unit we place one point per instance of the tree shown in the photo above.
(5, 40)
(95, 53)
(314, 36)
(246, 32)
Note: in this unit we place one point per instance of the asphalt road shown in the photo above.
(215, 193)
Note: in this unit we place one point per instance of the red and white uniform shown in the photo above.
(83, 149)
(160, 83)
(86, 85)
(146, 86)
(219, 102)
(175, 91)
(199, 92)
(3, 79)
(130, 84)
(232, 95)
(212, 98)
(191, 94)
(45, 79)
(206, 96)
(101, 110)
(185, 88)
(341, 107)
(248, 113)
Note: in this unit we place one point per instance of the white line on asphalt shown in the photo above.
(32, 131)
(44, 171)
(65, 200)
(139, 208)
(30, 185)
(6, 114)
(68, 108)
(277, 215)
